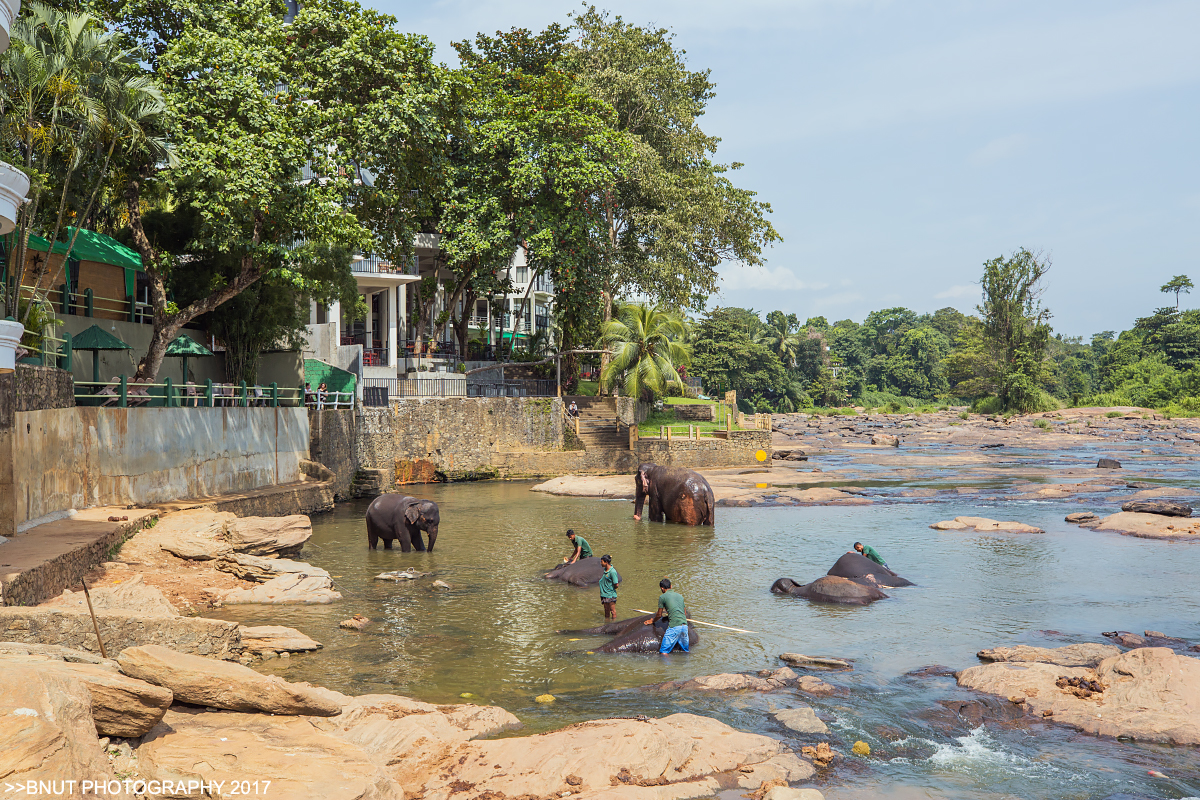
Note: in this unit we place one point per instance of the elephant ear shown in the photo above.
(411, 514)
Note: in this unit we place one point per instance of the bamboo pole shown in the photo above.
(95, 625)
(709, 624)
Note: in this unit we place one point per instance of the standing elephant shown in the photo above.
(680, 495)
(397, 516)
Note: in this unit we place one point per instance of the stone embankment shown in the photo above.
(1149, 694)
(154, 715)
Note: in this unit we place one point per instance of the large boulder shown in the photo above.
(119, 630)
(299, 759)
(269, 536)
(1150, 694)
(260, 570)
(983, 524)
(800, 720)
(47, 732)
(291, 587)
(276, 638)
(1073, 655)
(830, 589)
(1148, 526)
(131, 595)
(885, 440)
(1164, 507)
(680, 756)
(221, 684)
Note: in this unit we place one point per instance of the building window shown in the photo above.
(522, 274)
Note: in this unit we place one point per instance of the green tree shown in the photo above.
(673, 215)
(1178, 284)
(728, 354)
(1015, 328)
(782, 334)
(647, 350)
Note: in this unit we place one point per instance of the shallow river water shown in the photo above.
(494, 634)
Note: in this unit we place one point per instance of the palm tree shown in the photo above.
(647, 345)
(782, 339)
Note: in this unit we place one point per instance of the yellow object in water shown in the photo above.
(861, 749)
(544, 698)
(572, 640)
(466, 695)
(761, 485)
(761, 455)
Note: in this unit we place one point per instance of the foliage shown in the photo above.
(646, 344)
(729, 353)
(1178, 284)
(1015, 329)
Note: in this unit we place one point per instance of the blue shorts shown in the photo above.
(677, 634)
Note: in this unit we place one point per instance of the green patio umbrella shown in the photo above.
(96, 339)
(184, 347)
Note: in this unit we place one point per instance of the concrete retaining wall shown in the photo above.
(332, 441)
(83, 457)
(695, 412)
(739, 449)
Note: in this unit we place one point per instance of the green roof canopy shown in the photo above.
(96, 338)
(91, 246)
(185, 346)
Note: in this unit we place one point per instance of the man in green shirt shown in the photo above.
(670, 605)
(582, 548)
(869, 552)
(609, 581)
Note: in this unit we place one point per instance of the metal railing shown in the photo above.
(377, 265)
(375, 357)
(382, 391)
(327, 399)
(124, 393)
(523, 387)
(69, 302)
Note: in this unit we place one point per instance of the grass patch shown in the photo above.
(1114, 414)
(588, 388)
(686, 401)
(654, 422)
(1043, 424)
(965, 415)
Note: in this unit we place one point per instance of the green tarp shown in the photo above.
(89, 246)
(336, 380)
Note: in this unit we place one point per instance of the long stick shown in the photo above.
(709, 624)
(95, 624)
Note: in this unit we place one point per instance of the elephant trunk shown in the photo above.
(432, 536)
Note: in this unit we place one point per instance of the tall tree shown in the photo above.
(1015, 327)
(647, 348)
(1178, 284)
(674, 215)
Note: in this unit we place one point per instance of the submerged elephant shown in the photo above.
(680, 495)
(633, 636)
(859, 568)
(584, 572)
(852, 580)
(397, 516)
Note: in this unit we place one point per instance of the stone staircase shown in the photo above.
(369, 483)
(598, 427)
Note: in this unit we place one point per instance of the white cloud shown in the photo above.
(780, 279)
(957, 291)
(1001, 148)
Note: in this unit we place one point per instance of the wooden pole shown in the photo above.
(95, 625)
(709, 624)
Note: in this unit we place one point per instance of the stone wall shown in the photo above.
(332, 441)
(87, 456)
(739, 449)
(456, 438)
(695, 412)
(632, 412)
(40, 388)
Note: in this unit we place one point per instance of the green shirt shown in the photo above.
(608, 584)
(672, 602)
(585, 549)
(871, 553)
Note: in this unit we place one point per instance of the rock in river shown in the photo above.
(277, 638)
(1074, 655)
(269, 536)
(291, 587)
(1108, 463)
(220, 684)
(983, 524)
(801, 720)
(1163, 507)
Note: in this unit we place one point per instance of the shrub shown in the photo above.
(965, 415)
(1114, 414)
(1043, 424)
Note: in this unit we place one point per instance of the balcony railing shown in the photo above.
(377, 265)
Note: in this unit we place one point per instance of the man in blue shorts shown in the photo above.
(670, 605)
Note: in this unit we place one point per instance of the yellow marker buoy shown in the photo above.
(466, 695)
(572, 640)
(861, 749)
(762, 485)
(761, 455)
(544, 698)
(591, 652)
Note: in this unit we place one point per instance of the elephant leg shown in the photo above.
(405, 545)
(372, 540)
(387, 544)
(656, 509)
(417, 541)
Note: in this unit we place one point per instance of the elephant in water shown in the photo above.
(680, 495)
(633, 636)
(397, 516)
(853, 580)
(584, 572)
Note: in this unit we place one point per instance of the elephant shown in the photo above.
(861, 569)
(584, 572)
(397, 516)
(854, 579)
(633, 636)
(680, 495)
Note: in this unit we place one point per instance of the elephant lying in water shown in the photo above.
(853, 580)
(632, 636)
(584, 572)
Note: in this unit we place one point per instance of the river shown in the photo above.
(493, 635)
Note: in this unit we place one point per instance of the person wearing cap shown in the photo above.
(670, 605)
(869, 552)
(609, 581)
(582, 548)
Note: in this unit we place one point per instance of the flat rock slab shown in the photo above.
(1073, 655)
(801, 720)
(729, 682)
(120, 705)
(298, 759)
(269, 536)
(1081, 517)
(260, 569)
(260, 638)
(402, 575)
(1162, 507)
(119, 630)
(983, 525)
(292, 587)
(221, 684)
(814, 662)
(1148, 526)
(1151, 694)
(131, 595)
(611, 486)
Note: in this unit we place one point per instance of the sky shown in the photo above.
(903, 143)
